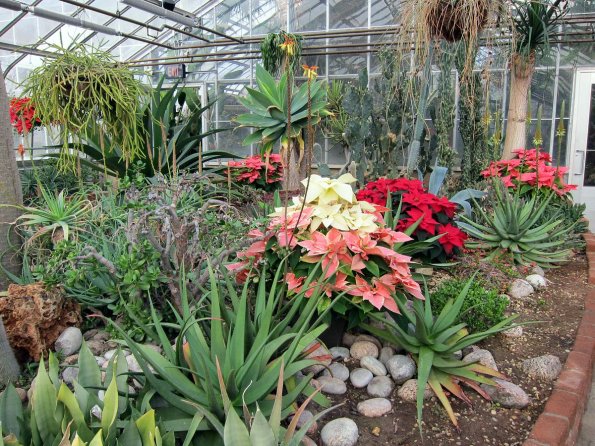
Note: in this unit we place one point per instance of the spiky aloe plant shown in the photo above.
(513, 226)
(432, 343)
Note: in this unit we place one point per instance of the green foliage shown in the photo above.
(269, 110)
(443, 112)
(170, 125)
(514, 226)
(432, 342)
(258, 431)
(573, 215)
(482, 308)
(274, 57)
(97, 413)
(57, 216)
(86, 91)
(249, 335)
(534, 23)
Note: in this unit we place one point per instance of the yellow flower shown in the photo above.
(328, 191)
(288, 46)
(310, 72)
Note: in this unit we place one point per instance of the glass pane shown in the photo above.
(348, 13)
(307, 15)
(590, 157)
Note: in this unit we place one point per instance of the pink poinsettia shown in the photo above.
(530, 167)
(348, 238)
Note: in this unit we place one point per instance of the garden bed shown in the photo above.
(559, 307)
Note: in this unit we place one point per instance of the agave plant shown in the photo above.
(58, 416)
(514, 226)
(272, 113)
(432, 342)
(56, 215)
(250, 334)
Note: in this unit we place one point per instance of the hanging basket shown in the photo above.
(452, 20)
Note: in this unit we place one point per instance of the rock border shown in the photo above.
(560, 422)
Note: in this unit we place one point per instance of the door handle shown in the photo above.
(581, 164)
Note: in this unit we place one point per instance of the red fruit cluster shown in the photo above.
(22, 115)
(436, 213)
(257, 170)
(532, 168)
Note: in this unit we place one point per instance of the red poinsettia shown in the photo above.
(435, 214)
(530, 170)
(264, 172)
(22, 115)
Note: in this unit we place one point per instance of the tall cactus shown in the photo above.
(9, 367)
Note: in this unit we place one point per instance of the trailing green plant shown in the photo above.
(277, 118)
(83, 90)
(276, 57)
(248, 334)
(482, 308)
(513, 226)
(97, 413)
(432, 342)
(170, 124)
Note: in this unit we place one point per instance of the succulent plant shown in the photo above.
(432, 342)
(515, 226)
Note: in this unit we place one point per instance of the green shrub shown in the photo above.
(482, 309)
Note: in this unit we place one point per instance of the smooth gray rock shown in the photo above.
(360, 349)
(408, 391)
(322, 355)
(458, 354)
(386, 353)
(538, 270)
(69, 342)
(507, 394)
(375, 407)
(70, 374)
(401, 368)
(340, 432)
(380, 387)
(536, 281)
(373, 365)
(348, 339)
(514, 332)
(360, 378)
(133, 364)
(546, 367)
(337, 370)
(520, 289)
(304, 418)
(372, 339)
(333, 386)
(340, 353)
(483, 357)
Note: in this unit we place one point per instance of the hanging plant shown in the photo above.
(85, 91)
(279, 49)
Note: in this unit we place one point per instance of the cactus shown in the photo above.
(445, 110)
(9, 367)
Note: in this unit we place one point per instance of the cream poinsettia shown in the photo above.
(322, 190)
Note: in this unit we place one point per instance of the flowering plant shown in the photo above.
(346, 236)
(530, 170)
(264, 173)
(430, 217)
(22, 115)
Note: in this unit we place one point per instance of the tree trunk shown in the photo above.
(520, 80)
(10, 193)
(297, 167)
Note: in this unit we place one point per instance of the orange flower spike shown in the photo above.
(288, 46)
(21, 150)
(310, 72)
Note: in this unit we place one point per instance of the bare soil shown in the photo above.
(559, 307)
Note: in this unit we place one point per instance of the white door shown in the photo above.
(582, 142)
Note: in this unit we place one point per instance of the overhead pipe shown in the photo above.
(131, 20)
(176, 17)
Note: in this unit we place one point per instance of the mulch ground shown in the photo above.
(559, 308)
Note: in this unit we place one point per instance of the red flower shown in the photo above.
(452, 237)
